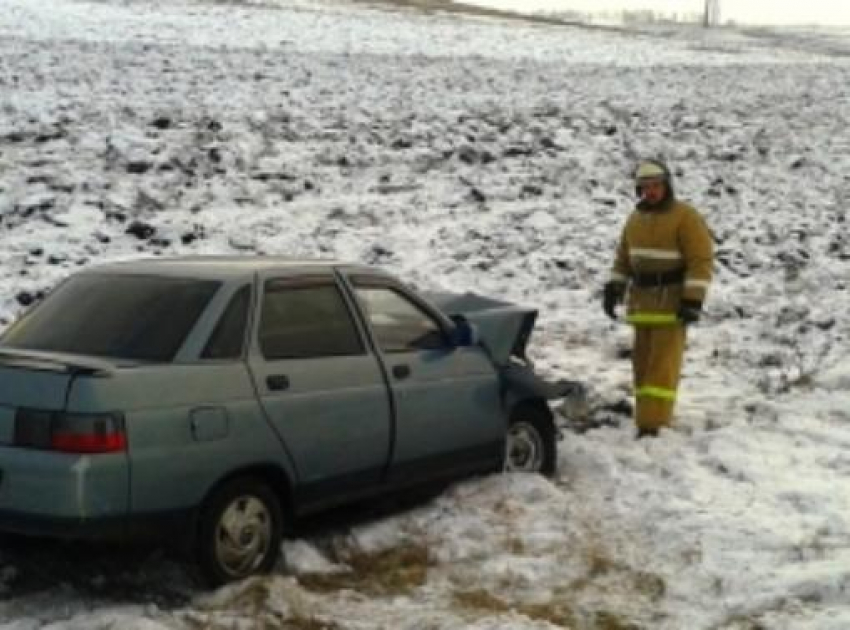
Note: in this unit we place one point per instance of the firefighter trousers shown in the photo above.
(657, 364)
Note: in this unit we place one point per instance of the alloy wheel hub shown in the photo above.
(243, 536)
(524, 448)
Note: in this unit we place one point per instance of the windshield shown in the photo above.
(140, 318)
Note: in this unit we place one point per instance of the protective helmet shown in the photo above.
(653, 169)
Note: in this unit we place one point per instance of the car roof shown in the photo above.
(226, 267)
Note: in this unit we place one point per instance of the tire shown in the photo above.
(531, 444)
(239, 532)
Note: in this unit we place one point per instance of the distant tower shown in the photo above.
(712, 13)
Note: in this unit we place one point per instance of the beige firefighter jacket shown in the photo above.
(662, 242)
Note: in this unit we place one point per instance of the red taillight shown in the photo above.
(86, 443)
(70, 433)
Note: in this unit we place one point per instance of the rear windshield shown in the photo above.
(140, 318)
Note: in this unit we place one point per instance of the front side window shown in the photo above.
(304, 321)
(399, 324)
(137, 318)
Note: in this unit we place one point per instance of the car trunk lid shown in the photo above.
(38, 380)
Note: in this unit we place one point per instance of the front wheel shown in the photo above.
(531, 444)
(240, 531)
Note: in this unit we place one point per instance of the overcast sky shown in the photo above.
(750, 11)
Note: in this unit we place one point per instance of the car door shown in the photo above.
(320, 387)
(449, 417)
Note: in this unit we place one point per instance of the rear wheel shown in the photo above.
(240, 531)
(531, 444)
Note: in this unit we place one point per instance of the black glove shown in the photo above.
(612, 296)
(690, 311)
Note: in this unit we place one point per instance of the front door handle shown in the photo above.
(277, 382)
(401, 372)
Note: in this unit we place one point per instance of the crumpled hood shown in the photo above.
(504, 328)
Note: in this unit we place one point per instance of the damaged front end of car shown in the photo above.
(504, 329)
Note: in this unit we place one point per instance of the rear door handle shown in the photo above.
(277, 382)
(401, 371)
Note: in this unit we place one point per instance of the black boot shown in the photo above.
(642, 433)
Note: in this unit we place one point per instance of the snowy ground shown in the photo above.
(486, 155)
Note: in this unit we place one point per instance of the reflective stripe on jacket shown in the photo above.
(658, 241)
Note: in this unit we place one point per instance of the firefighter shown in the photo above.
(664, 263)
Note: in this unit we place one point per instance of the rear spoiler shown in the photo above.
(55, 362)
(504, 328)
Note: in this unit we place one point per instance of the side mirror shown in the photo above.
(464, 333)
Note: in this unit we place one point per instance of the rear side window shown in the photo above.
(399, 324)
(228, 338)
(141, 318)
(301, 321)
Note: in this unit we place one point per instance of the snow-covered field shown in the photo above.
(466, 153)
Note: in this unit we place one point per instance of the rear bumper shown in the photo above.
(73, 488)
(47, 493)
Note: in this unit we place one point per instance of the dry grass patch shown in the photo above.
(308, 623)
(576, 604)
(557, 613)
(601, 565)
(742, 623)
(604, 620)
(480, 600)
(266, 622)
(560, 611)
(258, 599)
(395, 571)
